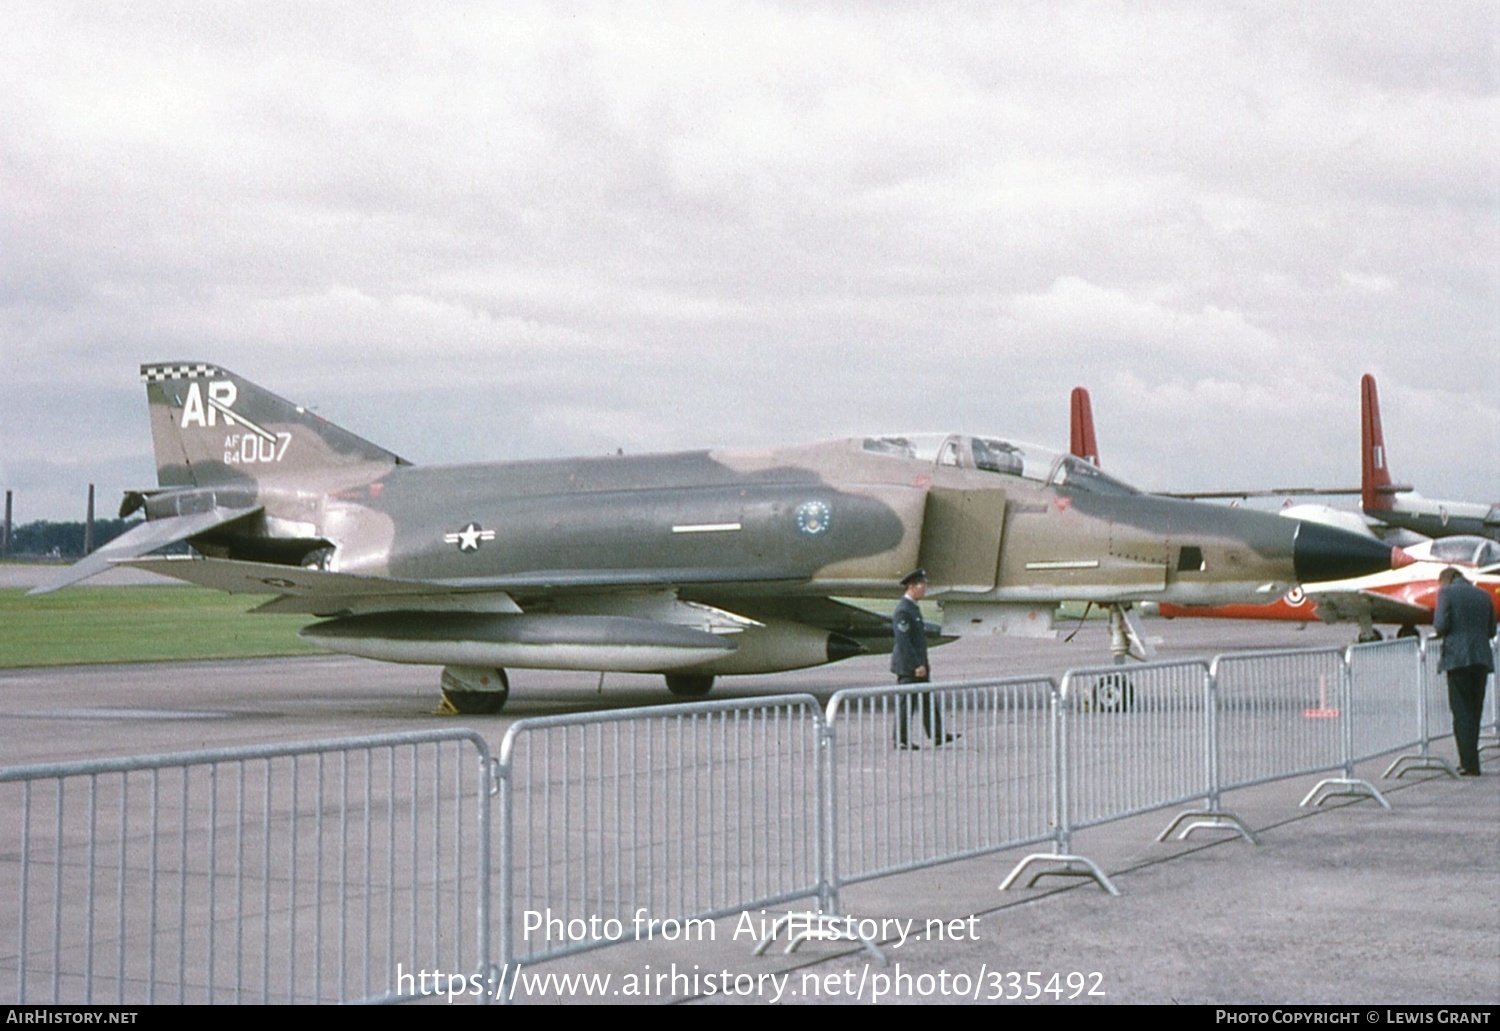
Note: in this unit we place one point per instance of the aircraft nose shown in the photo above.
(1326, 553)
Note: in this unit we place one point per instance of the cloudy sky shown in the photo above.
(510, 230)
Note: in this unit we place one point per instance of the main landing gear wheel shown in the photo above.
(1407, 630)
(686, 685)
(473, 691)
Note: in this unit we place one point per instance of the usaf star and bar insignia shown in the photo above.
(469, 537)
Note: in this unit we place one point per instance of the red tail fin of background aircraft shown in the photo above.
(1081, 427)
(1375, 475)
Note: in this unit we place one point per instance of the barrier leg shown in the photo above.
(1342, 787)
(1405, 764)
(1073, 866)
(802, 927)
(1202, 819)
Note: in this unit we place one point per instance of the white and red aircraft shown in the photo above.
(1403, 597)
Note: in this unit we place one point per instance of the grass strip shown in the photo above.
(140, 624)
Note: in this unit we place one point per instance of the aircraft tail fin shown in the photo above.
(212, 427)
(1083, 443)
(1375, 475)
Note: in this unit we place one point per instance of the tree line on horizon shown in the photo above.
(46, 539)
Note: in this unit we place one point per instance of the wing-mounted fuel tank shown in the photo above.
(575, 642)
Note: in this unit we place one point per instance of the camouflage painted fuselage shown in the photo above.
(818, 520)
(703, 561)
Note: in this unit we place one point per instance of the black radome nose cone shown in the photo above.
(1326, 553)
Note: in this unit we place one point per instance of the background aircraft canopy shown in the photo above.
(1464, 550)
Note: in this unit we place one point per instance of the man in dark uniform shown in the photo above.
(1465, 620)
(909, 662)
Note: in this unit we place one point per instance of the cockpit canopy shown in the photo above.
(991, 454)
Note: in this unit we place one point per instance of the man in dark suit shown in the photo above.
(909, 662)
(1465, 620)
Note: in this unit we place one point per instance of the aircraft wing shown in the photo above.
(147, 537)
(314, 591)
(323, 593)
(1353, 605)
(835, 616)
(872, 629)
(1256, 492)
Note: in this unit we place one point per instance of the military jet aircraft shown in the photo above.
(690, 565)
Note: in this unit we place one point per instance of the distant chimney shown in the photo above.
(5, 534)
(88, 524)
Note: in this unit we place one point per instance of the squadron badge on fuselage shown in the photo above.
(813, 517)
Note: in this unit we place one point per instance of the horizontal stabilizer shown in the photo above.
(149, 536)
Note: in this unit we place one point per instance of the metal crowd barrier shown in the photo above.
(1491, 724)
(1277, 715)
(291, 873)
(1116, 716)
(1435, 693)
(1105, 720)
(643, 823)
(342, 870)
(1248, 719)
(975, 775)
(1385, 714)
